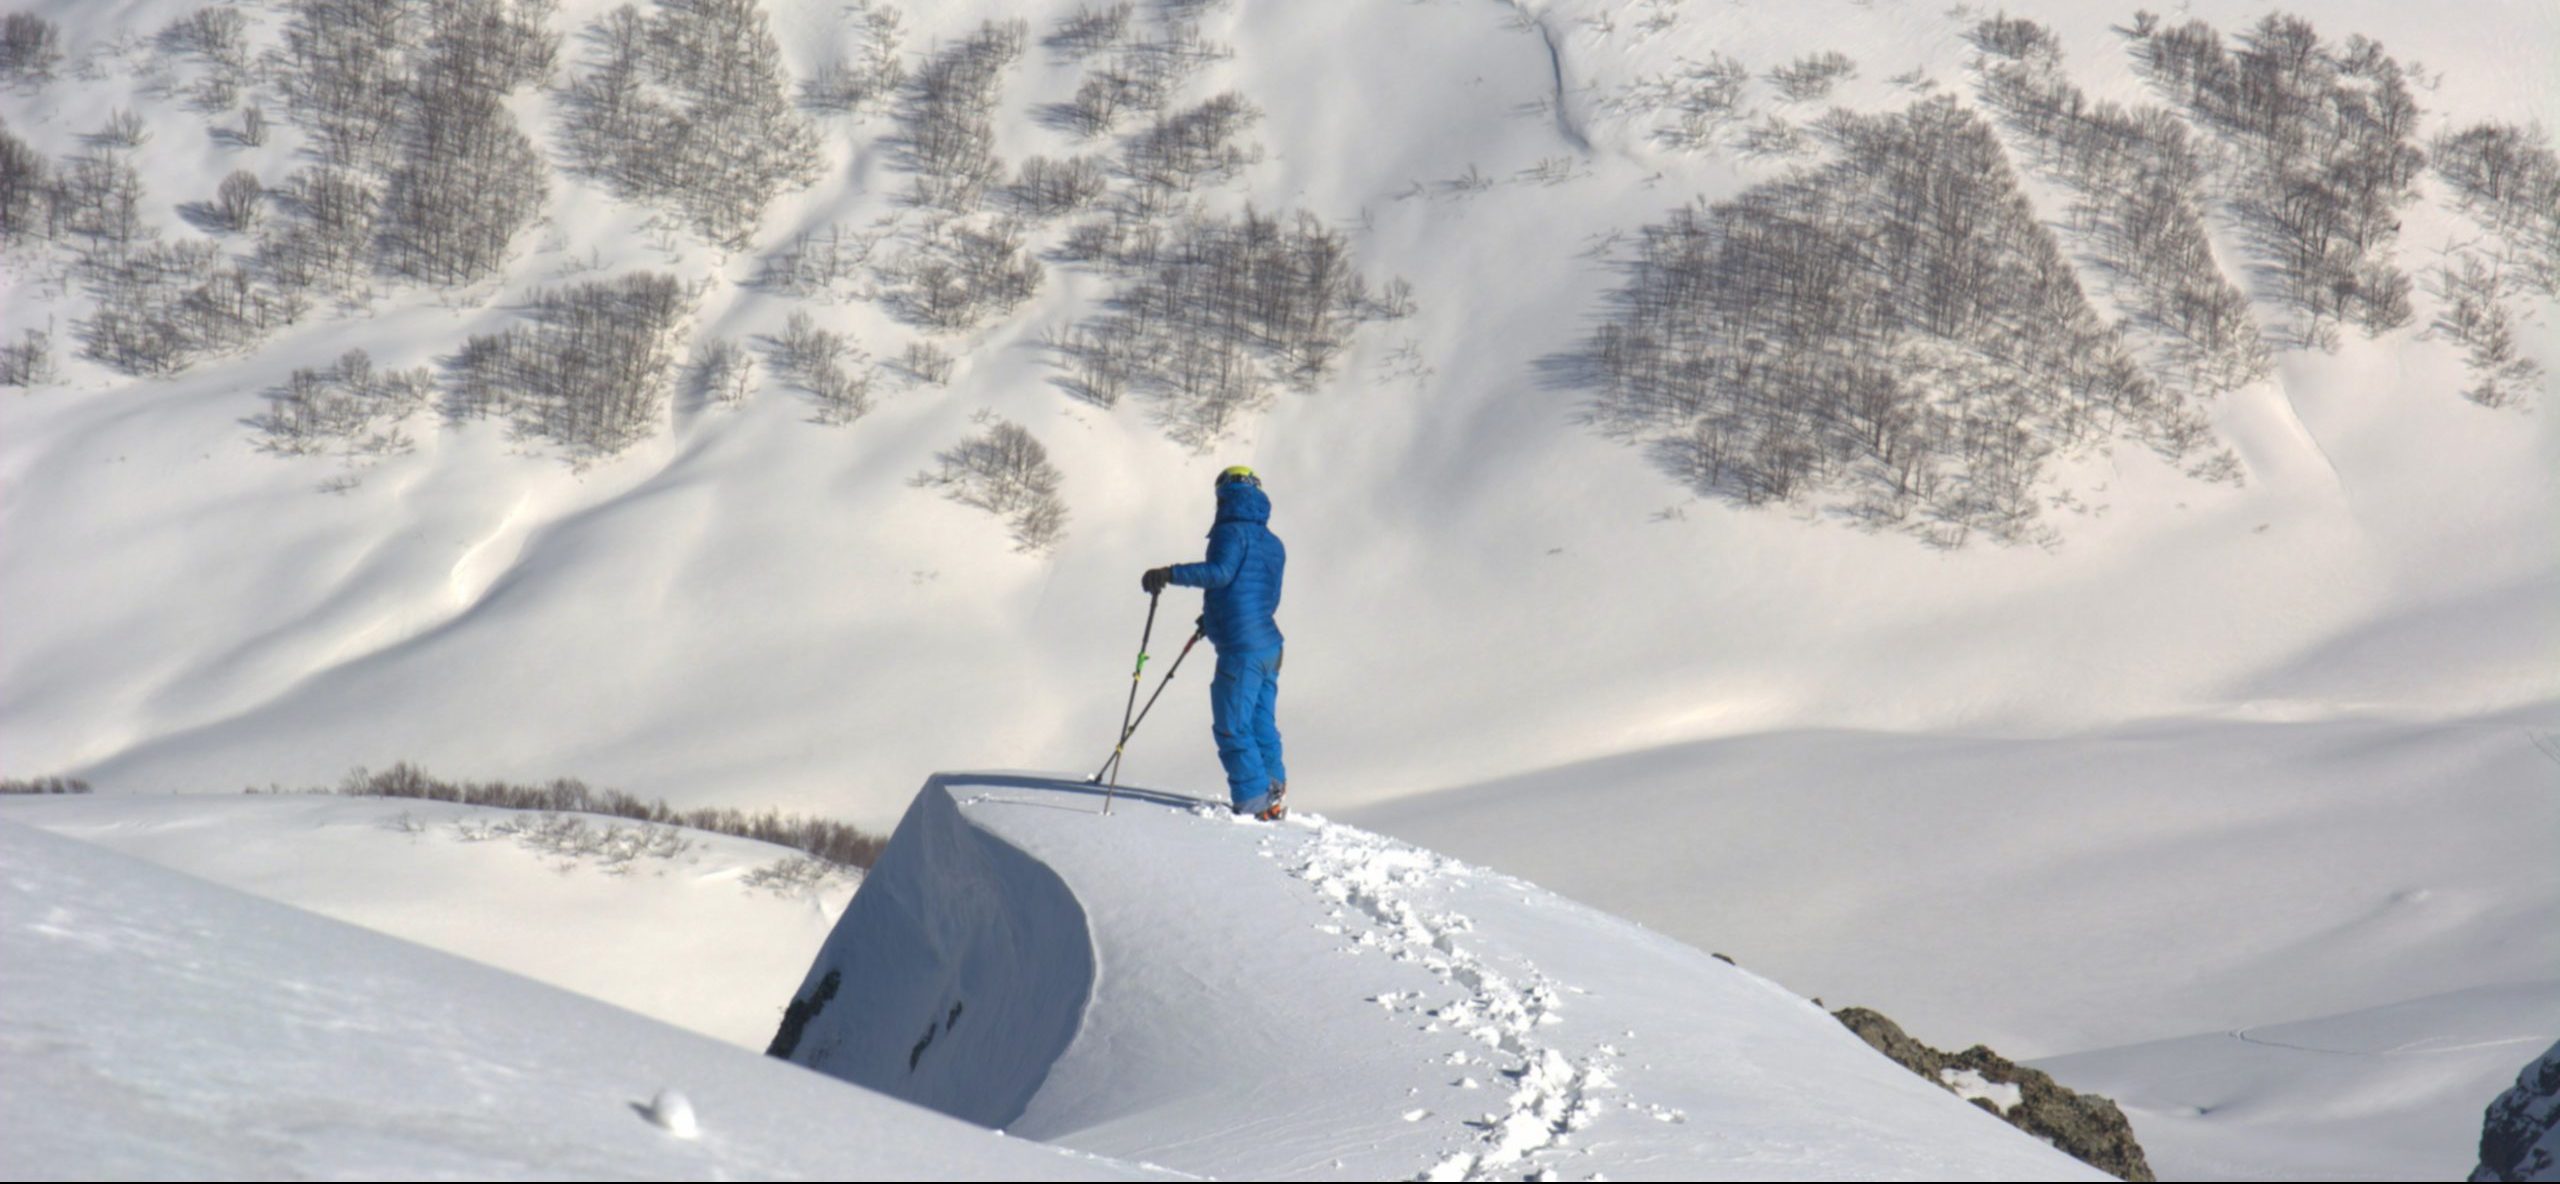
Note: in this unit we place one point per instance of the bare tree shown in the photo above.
(1006, 472)
(239, 200)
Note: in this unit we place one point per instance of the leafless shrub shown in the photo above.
(239, 200)
(1812, 76)
(797, 875)
(1005, 472)
(253, 125)
(836, 842)
(691, 109)
(724, 375)
(43, 785)
(828, 365)
(926, 362)
(30, 46)
(124, 129)
(593, 369)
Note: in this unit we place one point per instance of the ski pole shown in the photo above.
(1135, 673)
(1113, 765)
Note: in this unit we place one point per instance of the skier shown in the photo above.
(1241, 590)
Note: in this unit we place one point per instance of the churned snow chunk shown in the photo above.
(673, 1113)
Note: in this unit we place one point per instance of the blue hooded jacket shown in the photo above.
(1242, 574)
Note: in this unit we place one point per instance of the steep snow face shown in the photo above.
(155, 1025)
(956, 977)
(1313, 1001)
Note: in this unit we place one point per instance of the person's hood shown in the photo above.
(1241, 501)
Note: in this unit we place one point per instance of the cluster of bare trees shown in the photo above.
(723, 373)
(592, 370)
(30, 46)
(1896, 329)
(163, 305)
(945, 131)
(690, 107)
(1183, 150)
(1004, 471)
(1043, 188)
(827, 364)
(849, 84)
(2475, 316)
(2328, 155)
(349, 407)
(1212, 312)
(2508, 177)
(962, 272)
(29, 361)
(1811, 77)
(824, 265)
(1142, 73)
(220, 37)
(2136, 177)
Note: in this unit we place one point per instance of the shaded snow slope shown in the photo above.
(155, 1025)
(2389, 1093)
(703, 931)
(1313, 1001)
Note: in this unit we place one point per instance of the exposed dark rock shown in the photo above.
(796, 1017)
(2520, 1137)
(2086, 1127)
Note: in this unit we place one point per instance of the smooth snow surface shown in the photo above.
(157, 1026)
(708, 937)
(1310, 1000)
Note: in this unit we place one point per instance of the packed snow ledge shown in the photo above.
(1170, 986)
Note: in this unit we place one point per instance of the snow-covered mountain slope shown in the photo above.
(751, 608)
(1166, 984)
(699, 930)
(2175, 883)
(156, 1025)
(748, 607)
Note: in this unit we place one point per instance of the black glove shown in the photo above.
(1155, 580)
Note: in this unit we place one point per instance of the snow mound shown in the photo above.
(155, 1025)
(1168, 985)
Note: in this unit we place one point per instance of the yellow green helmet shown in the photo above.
(1239, 473)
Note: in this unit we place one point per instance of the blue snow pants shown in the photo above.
(1244, 696)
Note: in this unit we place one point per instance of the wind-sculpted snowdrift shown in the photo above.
(1310, 1000)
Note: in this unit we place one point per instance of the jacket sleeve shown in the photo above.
(1226, 556)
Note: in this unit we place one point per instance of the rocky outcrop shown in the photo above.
(2085, 1126)
(2520, 1137)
